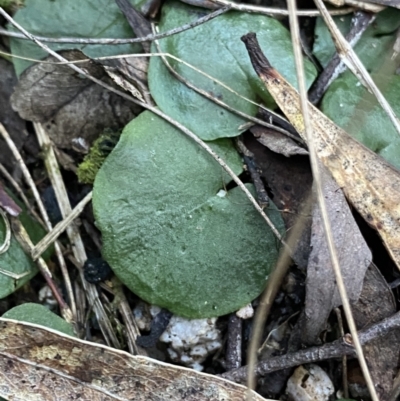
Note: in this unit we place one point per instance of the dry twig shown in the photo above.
(336, 349)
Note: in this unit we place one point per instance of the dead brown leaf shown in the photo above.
(37, 363)
(130, 73)
(277, 142)
(321, 291)
(369, 182)
(69, 105)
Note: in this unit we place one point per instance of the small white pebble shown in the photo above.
(46, 297)
(247, 312)
(312, 384)
(190, 342)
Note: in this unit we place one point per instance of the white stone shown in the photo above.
(311, 384)
(247, 312)
(190, 342)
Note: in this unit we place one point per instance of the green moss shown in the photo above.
(92, 162)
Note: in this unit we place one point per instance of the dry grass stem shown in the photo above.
(74, 236)
(132, 329)
(52, 235)
(271, 11)
(114, 41)
(352, 61)
(361, 5)
(334, 142)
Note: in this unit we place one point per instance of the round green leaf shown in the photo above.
(215, 48)
(39, 314)
(354, 109)
(15, 260)
(170, 231)
(66, 18)
(387, 22)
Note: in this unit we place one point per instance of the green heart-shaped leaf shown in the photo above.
(170, 231)
(216, 49)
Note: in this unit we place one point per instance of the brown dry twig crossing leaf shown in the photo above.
(369, 182)
(37, 363)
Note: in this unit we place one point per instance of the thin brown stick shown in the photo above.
(336, 349)
(252, 168)
(273, 285)
(52, 235)
(114, 41)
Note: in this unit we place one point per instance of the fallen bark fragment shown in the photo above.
(37, 363)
